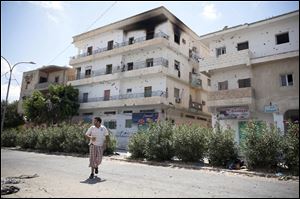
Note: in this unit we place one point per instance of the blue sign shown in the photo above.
(271, 109)
(142, 118)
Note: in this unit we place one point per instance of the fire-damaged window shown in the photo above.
(220, 51)
(287, 80)
(131, 40)
(110, 45)
(282, 38)
(243, 83)
(243, 46)
(90, 50)
(176, 37)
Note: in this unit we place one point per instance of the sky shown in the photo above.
(42, 31)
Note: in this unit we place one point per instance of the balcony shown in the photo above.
(195, 81)
(239, 96)
(226, 60)
(195, 107)
(81, 57)
(44, 85)
(131, 99)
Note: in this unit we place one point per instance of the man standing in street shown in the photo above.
(99, 138)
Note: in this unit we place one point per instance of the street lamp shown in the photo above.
(10, 72)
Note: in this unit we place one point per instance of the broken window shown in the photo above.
(131, 40)
(56, 79)
(221, 51)
(110, 45)
(129, 90)
(242, 46)
(243, 83)
(223, 85)
(176, 37)
(149, 62)
(90, 50)
(287, 80)
(183, 41)
(282, 38)
(88, 72)
(109, 69)
(176, 65)
(130, 66)
(148, 91)
(149, 34)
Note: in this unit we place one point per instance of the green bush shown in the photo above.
(137, 144)
(262, 145)
(112, 145)
(27, 138)
(190, 142)
(160, 146)
(291, 147)
(9, 137)
(222, 148)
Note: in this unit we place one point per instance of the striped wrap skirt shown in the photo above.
(96, 153)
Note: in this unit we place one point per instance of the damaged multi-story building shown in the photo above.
(142, 68)
(254, 72)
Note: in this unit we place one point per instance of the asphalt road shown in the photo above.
(67, 176)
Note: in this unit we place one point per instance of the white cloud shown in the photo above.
(14, 92)
(52, 17)
(209, 11)
(54, 5)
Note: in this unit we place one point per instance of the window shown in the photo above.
(110, 112)
(130, 66)
(110, 45)
(223, 85)
(149, 34)
(78, 71)
(106, 95)
(183, 41)
(129, 90)
(127, 111)
(243, 46)
(282, 38)
(111, 124)
(190, 116)
(90, 50)
(208, 82)
(88, 72)
(128, 123)
(148, 91)
(176, 92)
(177, 37)
(131, 40)
(56, 79)
(85, 97)
(176, 65)
(43, 79)
(149, 62)
(147, 111)
(109, 69)
(287, 80)
(221, 51)
(243, 83)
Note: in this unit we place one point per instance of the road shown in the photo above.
(67, 176)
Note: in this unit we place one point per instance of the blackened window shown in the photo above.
(149, 62)
(223, 85)
(243, 46)
(177, 37)
(243, 83)
(130, 66)
(109, 69)
(110, 45)
(131, 40)
(90, 50)
(282, 38)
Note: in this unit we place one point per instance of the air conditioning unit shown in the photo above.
(177, 100)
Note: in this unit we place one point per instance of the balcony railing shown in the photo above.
(119, 45)
(124, 96)
(44, 85)
(117, 69)
(195, 107)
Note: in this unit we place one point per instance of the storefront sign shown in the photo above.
(142, 118)
(271, 109)
(241, 112)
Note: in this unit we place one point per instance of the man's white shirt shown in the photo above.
(98, 133)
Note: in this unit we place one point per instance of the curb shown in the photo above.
(186, 166)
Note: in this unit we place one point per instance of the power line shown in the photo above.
(86, 30)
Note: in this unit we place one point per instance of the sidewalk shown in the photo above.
(125, 156)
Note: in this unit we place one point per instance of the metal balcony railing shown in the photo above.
(124, 96)
(116, 69)
(119, 45)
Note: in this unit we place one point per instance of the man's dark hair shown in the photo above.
(98, 119)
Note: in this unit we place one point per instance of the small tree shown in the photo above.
(12, 118)
(35, 108)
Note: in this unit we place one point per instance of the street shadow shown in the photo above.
(95, 180)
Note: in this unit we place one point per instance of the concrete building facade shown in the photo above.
(143, 67)
(254, 72)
